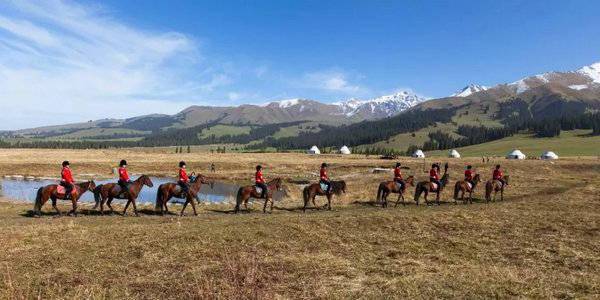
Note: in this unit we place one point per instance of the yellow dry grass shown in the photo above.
(542, 241)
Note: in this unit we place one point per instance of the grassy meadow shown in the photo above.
(543, 241)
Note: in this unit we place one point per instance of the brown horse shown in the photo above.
(427, 187)
(388, 187)
(50, 192)
(495, 186)
(166, 191)
(313, 190)
(246, 192)
(112, 191)
(464, 187)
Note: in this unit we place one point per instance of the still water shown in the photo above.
(26, 191)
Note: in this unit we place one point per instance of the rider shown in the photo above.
(183, 178)
(469, 174)
(259, 180)
(434, 175)
(124, 180)
(324, 178)
(67, 179)
(398, 176)
(498, 175)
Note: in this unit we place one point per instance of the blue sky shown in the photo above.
(82, 60)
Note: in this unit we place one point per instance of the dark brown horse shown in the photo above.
(313, 190)
(463, 187)
(51, 192)
(246, 192)
(112, 191)
(495, 186)
(166, 191)
(426, 187)
(388, 187)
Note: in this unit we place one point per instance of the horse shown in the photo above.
(427, 187)
(51, 192)
(246, 192)
(495, 186)
(311, 191)
(166, 191)
(110, 191)
(463, 187)
(388, 187)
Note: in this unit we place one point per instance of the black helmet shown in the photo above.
(181, 164)
(122, 163)
(398, 165)
(66, 163)
(324, 165)
(433, 166)
(469, 166)
(258, 167)
(497, 166)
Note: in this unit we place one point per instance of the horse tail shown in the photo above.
(38, 201)
(159, 198)
(456, 189)
(418, 192)
(97, 191)
(379, 192)
(238, 199)
(489, 186)
(305, 195)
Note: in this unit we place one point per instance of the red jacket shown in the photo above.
(123, 176)
(323, 174)
(66, 175)
(433, 173)
(397, 174)
(258, 177)
(468, 174)
(183, 176)
(497, 174)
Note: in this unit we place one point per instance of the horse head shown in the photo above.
(410, 180)
(506, 177)
(278, 184)
(477, 178)
(91, 186)
(146, 181)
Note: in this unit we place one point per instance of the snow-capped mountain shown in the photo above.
(469, 89)
(581, 79)
(385, 106)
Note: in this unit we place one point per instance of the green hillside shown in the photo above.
(569, 143)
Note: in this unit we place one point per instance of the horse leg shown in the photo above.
(193, 205)
(55, 207)
(470, 197)
(134, 208)
(126, 206)
(184, 206)
(437, 197)
(425, 196)
(74, 210)
(314, 202)
(109, 202)
(328, 201)
(265, 206)
(502, 194)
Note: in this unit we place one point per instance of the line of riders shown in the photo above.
(188, 186)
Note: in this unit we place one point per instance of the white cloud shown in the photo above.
(63, 62)
(332, 81)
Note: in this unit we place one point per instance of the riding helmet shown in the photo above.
(258, 167)
(398, 165)
(66, 163)
(181, 164)
(123, 163)
(469, 167)
(324, 165)
(497, 166)
(433, 166)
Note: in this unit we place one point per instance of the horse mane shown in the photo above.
(274, 181)
(338, 186)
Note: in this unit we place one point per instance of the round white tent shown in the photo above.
(516, 154)
(549, 155)
(453, 153)
(345, 150)
(419, 154)
(314, 150)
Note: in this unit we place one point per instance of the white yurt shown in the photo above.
(345, 150)
(453, 153)
(314, 150)
(549, 155)
(516, 154)
(419, 154)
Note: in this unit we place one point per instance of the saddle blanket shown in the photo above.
(323, 186)
(258, 189)
(61, 190)
(434, 186)
(398, 185)
(469, 185)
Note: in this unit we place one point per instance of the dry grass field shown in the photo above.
(542, 241)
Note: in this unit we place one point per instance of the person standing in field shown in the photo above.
(259, 180)
(183, 178)
(324, 178)
(67, 179)
(124, 179)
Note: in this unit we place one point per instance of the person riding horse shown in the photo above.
(124, 180)
(497, 174)
(183, 180)
(324, 179)
(434, 175)
(398, 176)
(469, 174)
(67, 179)
(259, 180)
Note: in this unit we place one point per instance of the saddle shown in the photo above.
(469, 185)
(433, 187)
(398, 185)
(258, 189)
(323, 186)
(61, 190)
